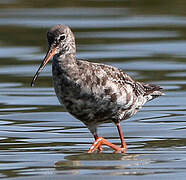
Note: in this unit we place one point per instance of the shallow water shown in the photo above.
(39, 140)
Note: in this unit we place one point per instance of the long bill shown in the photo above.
(48, 57)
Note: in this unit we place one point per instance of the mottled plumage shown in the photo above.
(94, 93)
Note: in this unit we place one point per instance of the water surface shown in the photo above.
(39, 140)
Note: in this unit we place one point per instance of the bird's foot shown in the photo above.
(97, 145)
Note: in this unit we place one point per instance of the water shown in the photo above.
(39, 140)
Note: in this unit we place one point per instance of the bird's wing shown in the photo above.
(96, 75)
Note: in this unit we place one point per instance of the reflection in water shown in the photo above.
(144, 38)
(76, 163)
(114, 164)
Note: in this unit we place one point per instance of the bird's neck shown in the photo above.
(66, 62)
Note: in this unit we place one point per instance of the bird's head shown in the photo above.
(61, 42)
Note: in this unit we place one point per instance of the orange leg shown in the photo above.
(123, 147)
(97, 145)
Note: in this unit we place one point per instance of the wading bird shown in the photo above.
(93, 93)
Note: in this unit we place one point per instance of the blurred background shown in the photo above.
(145, 38)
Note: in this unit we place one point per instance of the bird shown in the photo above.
(94, 93)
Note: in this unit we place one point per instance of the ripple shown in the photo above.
(128, 34)
(163, 47)
(151, 65)
(17, 52)
(100, 22)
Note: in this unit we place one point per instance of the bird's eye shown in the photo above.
(62, 37)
